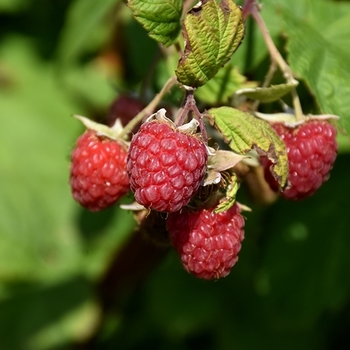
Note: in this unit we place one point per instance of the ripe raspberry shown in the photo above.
(208, 243)
(312, 149)
(165, 166)
(98, 175)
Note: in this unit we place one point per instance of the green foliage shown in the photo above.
(82, 28)
(290, 288)
(316, 49)
(212, 33)
(50, 250)
(323, 65)
(224, 84)
(244, 133)
(161, 19)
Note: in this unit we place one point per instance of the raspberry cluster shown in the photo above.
(165, 167)
(312, 150)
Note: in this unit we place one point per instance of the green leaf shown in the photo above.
(268, 94)
(323, 66)
(212, 33)
(243, 132)
(160, 18)
(225, 83)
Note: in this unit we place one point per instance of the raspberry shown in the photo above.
(312, 149)
(98, 175)
(165, 166)
(208, 242)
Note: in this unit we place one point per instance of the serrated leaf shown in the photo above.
(160, 18)
(268, 94)
(244, 132)
(212, 33)
(225, 83)
(230, 196)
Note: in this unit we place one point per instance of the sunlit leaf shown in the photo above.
(212, 33)
(244, 132)
(160, 18)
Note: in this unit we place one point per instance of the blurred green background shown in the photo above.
(70, 280)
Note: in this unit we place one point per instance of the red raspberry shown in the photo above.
(312, 149)
(98, 175)
(165, 166)
(208, 243)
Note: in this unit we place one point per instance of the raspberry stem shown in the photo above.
(191, 105)
(252, 7)
(150, 107)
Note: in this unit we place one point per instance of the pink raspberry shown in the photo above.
(208, 243)
(165, 166)
(312, 150)
(98, 176)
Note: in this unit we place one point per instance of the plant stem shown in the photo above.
(274, 53)
(247, 8)
(150, 107)
(267, 81)
(190, 105)
(184, 110)
(199, 117)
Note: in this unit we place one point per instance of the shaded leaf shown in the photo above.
(212, 33)
(244, 132)
(268, 94)
(84, 19)
(160, 18)
(224, 84)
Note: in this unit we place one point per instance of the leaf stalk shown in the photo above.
(150, 107)
(252, 7)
